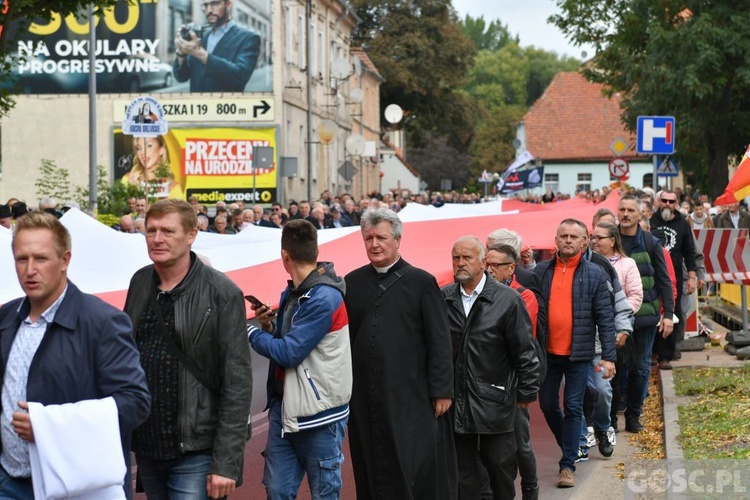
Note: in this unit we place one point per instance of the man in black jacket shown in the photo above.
(670, 226)
(189, 323)
(492, 340)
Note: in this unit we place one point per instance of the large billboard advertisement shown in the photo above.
(213, 164)
(155, 46)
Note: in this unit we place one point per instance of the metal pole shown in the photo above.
(743, 300)
(308, 46)
(93, 174)
(655, 181)
(255, 172)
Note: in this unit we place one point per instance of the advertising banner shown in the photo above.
(522, 179)
(213, 164)
(142, 46)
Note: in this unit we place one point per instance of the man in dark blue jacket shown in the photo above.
(58, 346)
(222, 59)
(578, 303)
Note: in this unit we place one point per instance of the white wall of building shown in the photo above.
(596, 175)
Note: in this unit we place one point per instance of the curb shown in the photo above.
(670, 401)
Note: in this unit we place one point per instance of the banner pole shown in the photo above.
(743, 301)
(93, 173)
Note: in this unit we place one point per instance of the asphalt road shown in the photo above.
(594, 479)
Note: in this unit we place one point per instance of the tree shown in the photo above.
(492, 37)
(688, 59)
(420, 50)
(492, 147)
(437, 160)
(19, 14)
(53, 181)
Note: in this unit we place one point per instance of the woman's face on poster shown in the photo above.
(149, 152)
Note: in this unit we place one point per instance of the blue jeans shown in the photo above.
(316, 452)
(14, 489)
(639, 374)
(567, 429)
(602, 390)
(181, 479)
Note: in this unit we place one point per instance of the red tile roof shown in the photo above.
(574, 121)
(366, 61)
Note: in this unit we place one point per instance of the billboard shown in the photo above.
(213, 164)
(142, 46)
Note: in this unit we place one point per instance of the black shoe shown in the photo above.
(530, 492)
(633, 425)
(605, 447)
(622, 404)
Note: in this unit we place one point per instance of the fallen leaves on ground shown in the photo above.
(651, 441)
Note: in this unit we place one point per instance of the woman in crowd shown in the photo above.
(606, 241)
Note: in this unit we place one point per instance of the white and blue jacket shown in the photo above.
(311, 363)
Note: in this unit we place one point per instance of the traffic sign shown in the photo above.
(619, 168)
(667, 167)
(655, 135)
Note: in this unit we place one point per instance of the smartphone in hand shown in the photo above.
(257, 303)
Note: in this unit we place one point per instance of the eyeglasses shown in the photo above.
(212, 4)
(669, 202)
(497, 265)
(600, 238)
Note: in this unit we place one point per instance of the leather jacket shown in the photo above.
(495, 362)
(210, 330)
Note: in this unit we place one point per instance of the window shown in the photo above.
(312, 63)
(552, 181)
(289, 41)
(584, 182)
(301, 46)
(320, 57)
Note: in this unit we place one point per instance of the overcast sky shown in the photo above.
(525, 18)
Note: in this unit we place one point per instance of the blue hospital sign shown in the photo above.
(655, 135)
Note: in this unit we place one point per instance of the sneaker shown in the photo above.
(605, 447)
(590, 438)
(633, 425)
(565, 479)
(612, 436)
(665, 365)
(583, 455)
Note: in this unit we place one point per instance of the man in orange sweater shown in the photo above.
(578, 303)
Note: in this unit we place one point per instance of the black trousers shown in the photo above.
(498, 455)
(665, 348)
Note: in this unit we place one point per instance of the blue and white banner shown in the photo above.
(524, 179)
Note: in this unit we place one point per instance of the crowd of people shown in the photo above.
(467, 359)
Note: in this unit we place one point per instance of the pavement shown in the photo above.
(599, 477)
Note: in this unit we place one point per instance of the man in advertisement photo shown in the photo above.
(219, 59)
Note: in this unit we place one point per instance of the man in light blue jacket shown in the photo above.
(310, 373)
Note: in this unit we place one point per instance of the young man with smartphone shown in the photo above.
(310, 373)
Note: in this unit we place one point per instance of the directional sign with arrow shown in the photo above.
(261, 109)
(210, 110)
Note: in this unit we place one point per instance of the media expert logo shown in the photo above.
(144, 117)
(211, 196)
(725, 479)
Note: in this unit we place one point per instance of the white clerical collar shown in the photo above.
(383, 270)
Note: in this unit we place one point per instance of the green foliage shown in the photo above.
(492, 145)
(420, 50)
(53, 181)
(686, 59)
(492, 36)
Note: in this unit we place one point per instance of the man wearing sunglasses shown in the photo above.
(221, 59)
(670, 226)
